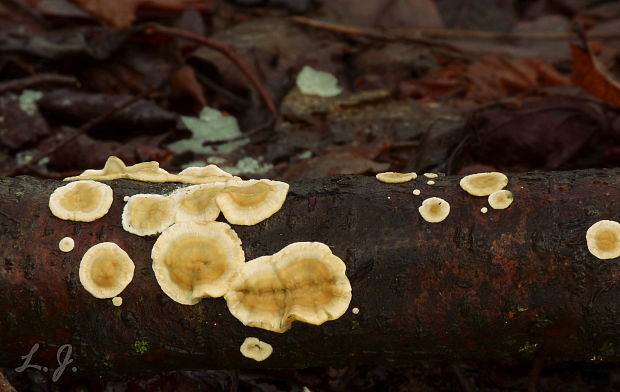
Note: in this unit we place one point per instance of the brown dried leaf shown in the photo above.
(591, 75)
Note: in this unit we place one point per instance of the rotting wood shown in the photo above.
(514, 283)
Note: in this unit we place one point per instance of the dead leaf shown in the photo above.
(591, 75)
(20, 124)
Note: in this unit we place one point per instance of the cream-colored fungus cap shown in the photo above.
(114, 168)
(304, 282)
(83, 201)
(148, 214)
(66, 244)
(192, 261)
(501, 199)
(483, 184)
(117, 301)
(196, 203)
(395, 178)
(250, 202)
(603, 239)
(105, 270)
(431, 175)
(255, 349)
(434, 209)
(149, 172)
(204, 175)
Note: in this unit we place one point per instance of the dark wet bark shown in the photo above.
(516, 283)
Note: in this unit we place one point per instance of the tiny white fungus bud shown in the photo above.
(126, 199)
(430, 182)
(117, 301)
(66, 244)
(416, 192)
(484, 210)
(430, 175)
(355, 310)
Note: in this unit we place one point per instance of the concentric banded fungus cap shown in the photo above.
(434, 209)
(603, 239)
(304, 282)
(192, 261)
(395, 178)
(501, 199)
(105, 270)
(83, 201)
(148, 214)
(250, 202)
(196, 203)
(255, 349)
(483, 184)
(149, 172)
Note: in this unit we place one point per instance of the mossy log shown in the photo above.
(509, 284)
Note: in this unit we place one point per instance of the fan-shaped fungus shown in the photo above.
(395, 178)
(148, 214)
(197, 203)
(434, 209)
(603, 239)
(192, 261)
(500, 200)
(250, 202)
(83, 201)
(66, 244)
(483, 184)
(105, 270)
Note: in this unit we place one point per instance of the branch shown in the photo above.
(510, 284)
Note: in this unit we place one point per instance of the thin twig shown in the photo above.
(443, 33)
(34, 80)
(83, 129)
(222, 48)
(465, 386)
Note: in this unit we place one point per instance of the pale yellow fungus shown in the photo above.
(416, 192)
(105, 270)
(66, 244)
(484, 210)
(603, 239)
(197, 203)
(430, 182)
(434, 209)
(431, 175)
(303, 282)
(126, 199)
(83, 201)
(483, 184)
(255, 349)
(148, 214)
(193, 261)
(250, 202)
(500, 200)
(395, 178)
(355, 311)
(117, 301)
(151, 172)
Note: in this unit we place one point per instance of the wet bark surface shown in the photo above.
(510, 284)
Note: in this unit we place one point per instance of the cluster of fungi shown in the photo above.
(196, 257)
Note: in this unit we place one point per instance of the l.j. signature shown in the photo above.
(63, 361)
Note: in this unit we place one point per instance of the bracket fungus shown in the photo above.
(148, 214)
(500, 200)
(196, 203)
(603, 239)
(304, 281)
(83, 201)
(250, 202)
(105, 270)
(483, 184)
(204, 175)
(255, 349)
(434, 209)
(193, 261)
(395, 178)
(66, 244)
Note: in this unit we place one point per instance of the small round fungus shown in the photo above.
(83, 201)
(603, 239)
(430, 182)
(117, 301)
(304, 281)
(395, 178)
(484, 210)
(431, 175)
(193, 261)
(125, 199)
(66, 244)
(416, 192)
(196, 203)
(355, 311)
(148, 214)
(255, 349)
(500, 200)
(483, 184)
(434, 209)
(105, 270)
(250, 202)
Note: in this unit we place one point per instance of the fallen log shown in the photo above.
(518, 283)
